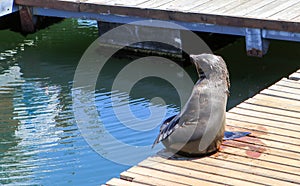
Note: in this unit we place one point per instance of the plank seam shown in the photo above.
(256, 130)
(210, 173)
(266, 112)
(256, 166)
(261, 117)
(174, 173)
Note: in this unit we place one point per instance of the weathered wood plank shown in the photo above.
(261, 148)
(69, 5)
(132, 9)
(162, 173)
(262, 152)
(288, 13)
(296, 19)
(247, 7)
(153, 4)
(207, 172)
(211, 6)
(289, 83)
(285, 95)
(271, 8)
(271, 98)
(271, 175)
(280, 112)
(229, 6)
(255, 163)
(273, 104)
(271, 144)
(115, 182)
(149, 179)
(236, 174)
(295, 76)
(256, 167)
(179, 5)
(261, 121)
(268, 136)
(259, 130)
(285, 89)
(292, 122)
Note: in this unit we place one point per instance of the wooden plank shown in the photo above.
(271, 144)
(285, 95)
(256, 167)
(287, 164)
(163, 173)
(247, 176)
(271, 9)
(267, 135)
(230, 6)
(296, 19)
(179, 5)
(270, 147)
(258, 130)
(295, 76)
(272, 104)
(122, 2)
(275, 98)
(289, 83)
(190, 17)
(262, 121)
(153, 4)
(204, 171)
(285, 89)
(288, 13)
(280, 112)
(247, 7)
(210, 6)
(148, 179)
(253, 162)
(292, 122)
(272, 175)
(261, 147)
(116, 182)
(69, 5)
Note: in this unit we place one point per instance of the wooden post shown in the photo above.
(27, 20)
(256, 45)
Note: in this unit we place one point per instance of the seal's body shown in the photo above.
(199, 128)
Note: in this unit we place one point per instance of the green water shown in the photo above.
(40, 143)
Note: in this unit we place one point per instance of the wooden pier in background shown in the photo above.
(257, 20)
(269, 156)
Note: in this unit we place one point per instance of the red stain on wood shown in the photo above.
(253, 147)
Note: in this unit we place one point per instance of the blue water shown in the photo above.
(40, 143)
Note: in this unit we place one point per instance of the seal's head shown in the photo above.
(211, 65)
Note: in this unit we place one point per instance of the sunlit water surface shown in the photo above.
(40, 143)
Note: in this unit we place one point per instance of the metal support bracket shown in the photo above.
(256, 45)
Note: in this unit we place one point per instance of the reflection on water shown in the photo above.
(40, 143)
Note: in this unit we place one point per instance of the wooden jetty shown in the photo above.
(269, 156)
(257, 20)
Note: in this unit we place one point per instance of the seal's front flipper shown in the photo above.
(233, 135)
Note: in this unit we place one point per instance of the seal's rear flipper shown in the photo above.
(233, 135)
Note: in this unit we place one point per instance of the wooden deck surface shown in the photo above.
(267, 14)
(269, 156)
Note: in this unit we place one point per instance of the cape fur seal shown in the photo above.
(199, 128)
